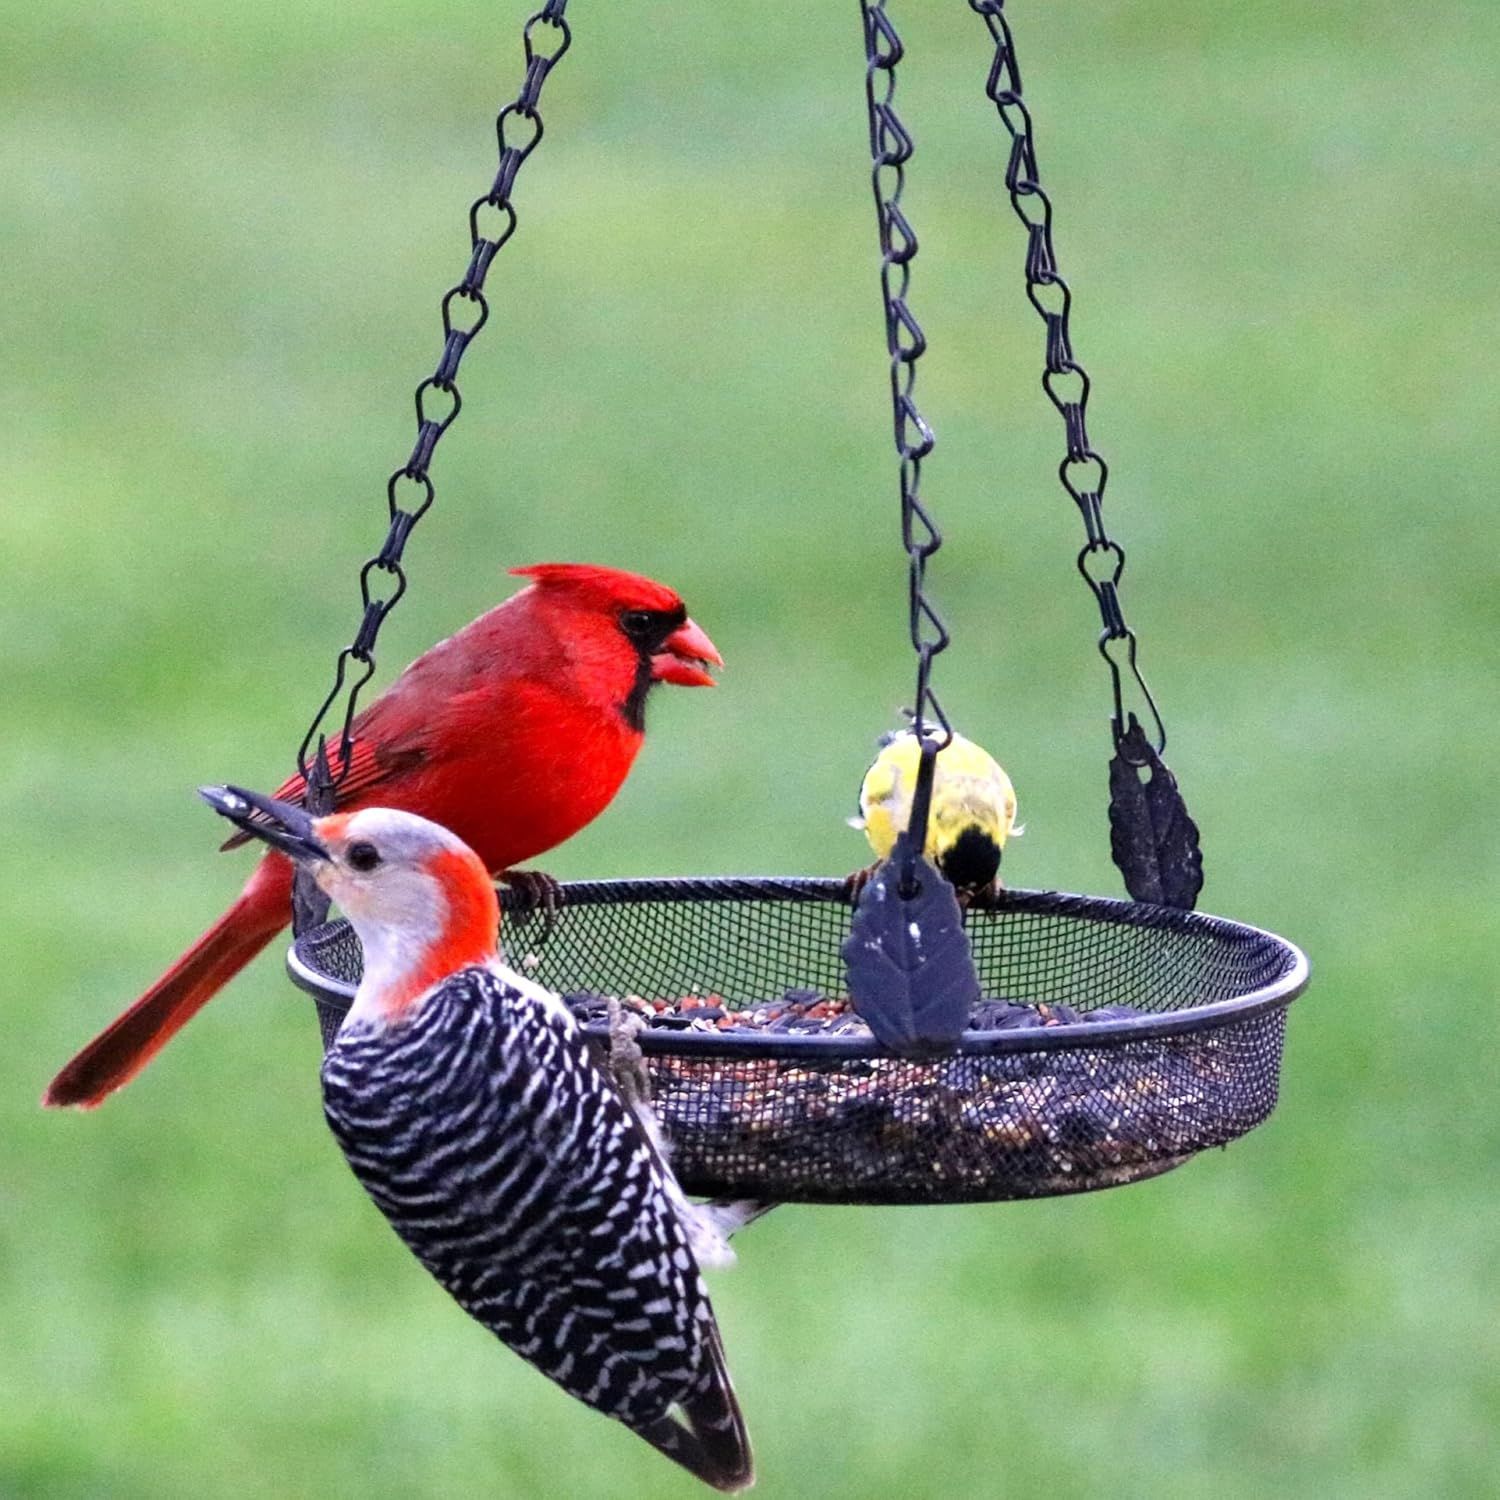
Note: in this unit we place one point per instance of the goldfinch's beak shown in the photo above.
(279, 824)
(685, 658)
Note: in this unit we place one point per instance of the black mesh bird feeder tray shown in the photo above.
(807, 1045)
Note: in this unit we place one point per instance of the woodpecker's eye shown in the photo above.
(362, 857)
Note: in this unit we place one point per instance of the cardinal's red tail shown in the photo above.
(120, 1051)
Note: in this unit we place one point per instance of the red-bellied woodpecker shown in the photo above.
(468, 1105)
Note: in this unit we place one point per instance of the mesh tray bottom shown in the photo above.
(1021, 1126)
(1026, 1117)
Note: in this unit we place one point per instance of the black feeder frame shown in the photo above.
(1020, 1113)
(1114, 1040)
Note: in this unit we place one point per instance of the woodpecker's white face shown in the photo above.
(386, 867)
(417, 896)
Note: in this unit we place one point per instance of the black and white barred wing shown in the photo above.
(505, 1160)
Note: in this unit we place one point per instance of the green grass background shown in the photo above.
(224, 234)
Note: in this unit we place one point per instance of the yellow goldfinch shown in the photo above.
(973, 808)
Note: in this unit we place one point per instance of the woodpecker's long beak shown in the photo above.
(279, 824)
(685, 658)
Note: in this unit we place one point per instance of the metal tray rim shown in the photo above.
(1278, 993)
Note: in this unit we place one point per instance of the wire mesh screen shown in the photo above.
(1128, 1037)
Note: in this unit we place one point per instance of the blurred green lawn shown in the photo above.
(224, 234)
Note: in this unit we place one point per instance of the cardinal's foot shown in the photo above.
(536, 892)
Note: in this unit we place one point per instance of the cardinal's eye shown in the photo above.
(363, 857)
(640, 622)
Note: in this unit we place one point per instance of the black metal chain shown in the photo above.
(409, 492)
(890, 150)
(1083, 471)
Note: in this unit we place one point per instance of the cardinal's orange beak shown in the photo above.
(685, 657)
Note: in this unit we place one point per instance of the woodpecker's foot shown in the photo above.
(627, 1063)
(537, 892)
(854, 885)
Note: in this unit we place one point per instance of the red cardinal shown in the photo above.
(514, 733)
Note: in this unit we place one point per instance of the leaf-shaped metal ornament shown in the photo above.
(1152, 838)
(911, 974)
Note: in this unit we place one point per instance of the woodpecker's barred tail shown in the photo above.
(503, 1157)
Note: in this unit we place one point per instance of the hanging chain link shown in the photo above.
(1083, 471)
(409, 492)
(890, 150)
